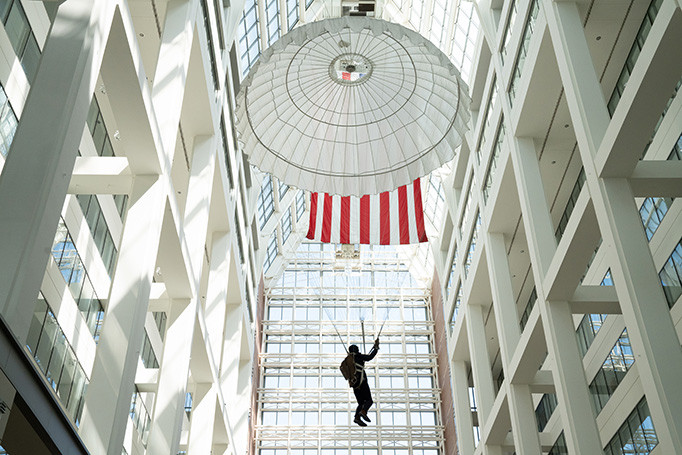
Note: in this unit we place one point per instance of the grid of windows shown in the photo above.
(98, 130)
(249, 43)
(523, 50)
(465, 37)
(8, 123)
(140, 417)
(633, 55)
(453, 275)
(612, 371)
(671, 276)
(559, 447)
(73, 271)
(637, 434)
(416, 12)
(147, 355)
(292, 13)
(455, 308)
(21, 36)
(272, 20)
(304, 402)
(440, 17)
(266, 201)
(283, 188)
(492, 102)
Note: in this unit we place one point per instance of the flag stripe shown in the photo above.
(402, 215)
(345, 220)
(327, 219)
(364, 219)
(419, 211)
(385, 221)
(313, 216)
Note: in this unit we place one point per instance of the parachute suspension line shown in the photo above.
(384, 323)
(343, 343)
(362, 324)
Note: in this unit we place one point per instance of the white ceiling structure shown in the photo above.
(351, 106)
(450, 25)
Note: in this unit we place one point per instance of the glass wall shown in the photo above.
(318, 307)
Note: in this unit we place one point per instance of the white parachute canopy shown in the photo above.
(351, 106)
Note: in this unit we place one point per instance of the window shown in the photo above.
(559, 447)
(8, 123)
(509, 27)
(528, 309)
(147, 354)
(292, 13)
(453, 275)
(637, 434)
(465, 37)
(523, 50)
(57, 360)
(545, 409)
(440, 19)
(570, 205)
(160, 319)
(300, 204)
(249, 42)
(455, 307)
(492, 166)
(671, 276)
(587, 330)
(612, 372)
(435, 201)
(286, 225)
(266, 201)
(637, 46)
(492, 102)
(271, 252)
(140, 417)
(98, 130)
(99, 230)
(272, 19)
(472, 245)
(21, 36)
(652, 211)
(416, 13)
(73, 271)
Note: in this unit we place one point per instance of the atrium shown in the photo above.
(167, 287)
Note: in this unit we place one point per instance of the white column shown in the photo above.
(171, 69)
(480, 363)
(650, 327)
(164, 436)
(580, 428)
(203, 420)
(216, 293)
(524, 428)
(36, 175)
(107, 402)
(463, 421)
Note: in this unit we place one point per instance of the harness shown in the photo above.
(359, 368)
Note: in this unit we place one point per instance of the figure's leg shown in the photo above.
(360, 398)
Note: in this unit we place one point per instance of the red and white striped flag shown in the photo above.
(389, 218)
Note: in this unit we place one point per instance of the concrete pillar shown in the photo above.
(216, 293)
(524, 428)
(107, 402)
(654, 339)
(203, 420)
(463, 421)
(43, 152)
(164, 436)
(580, 428)
(480, 362)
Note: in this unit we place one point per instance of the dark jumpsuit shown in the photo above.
(362, 392)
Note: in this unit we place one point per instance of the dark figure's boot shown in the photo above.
(359, 421)
(363, 414)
